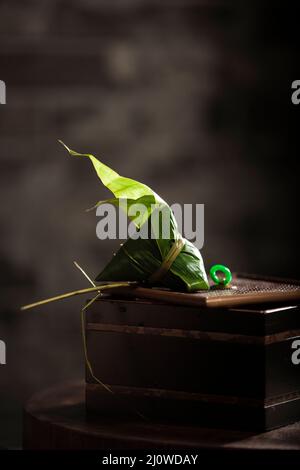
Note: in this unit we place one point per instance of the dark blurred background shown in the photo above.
(191, 97)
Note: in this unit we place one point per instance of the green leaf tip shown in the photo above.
(72, 152)
(64, 145)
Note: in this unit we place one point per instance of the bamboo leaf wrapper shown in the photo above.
(141, 259)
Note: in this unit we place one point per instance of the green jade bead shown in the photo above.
(219, 268)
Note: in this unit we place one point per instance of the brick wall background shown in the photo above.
(191, 97)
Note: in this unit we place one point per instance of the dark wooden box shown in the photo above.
(225, 367)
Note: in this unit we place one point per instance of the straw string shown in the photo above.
(168, 261)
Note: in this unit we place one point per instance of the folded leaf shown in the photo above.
(139, 258)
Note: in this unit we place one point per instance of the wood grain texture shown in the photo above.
(244, 291)
(230, 367)
(55, 419)
(194, 334)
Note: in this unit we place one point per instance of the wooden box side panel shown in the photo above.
(176, 363)
(149, 314)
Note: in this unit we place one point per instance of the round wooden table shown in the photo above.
(56, 419)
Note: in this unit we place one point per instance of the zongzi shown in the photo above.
(156, 254)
